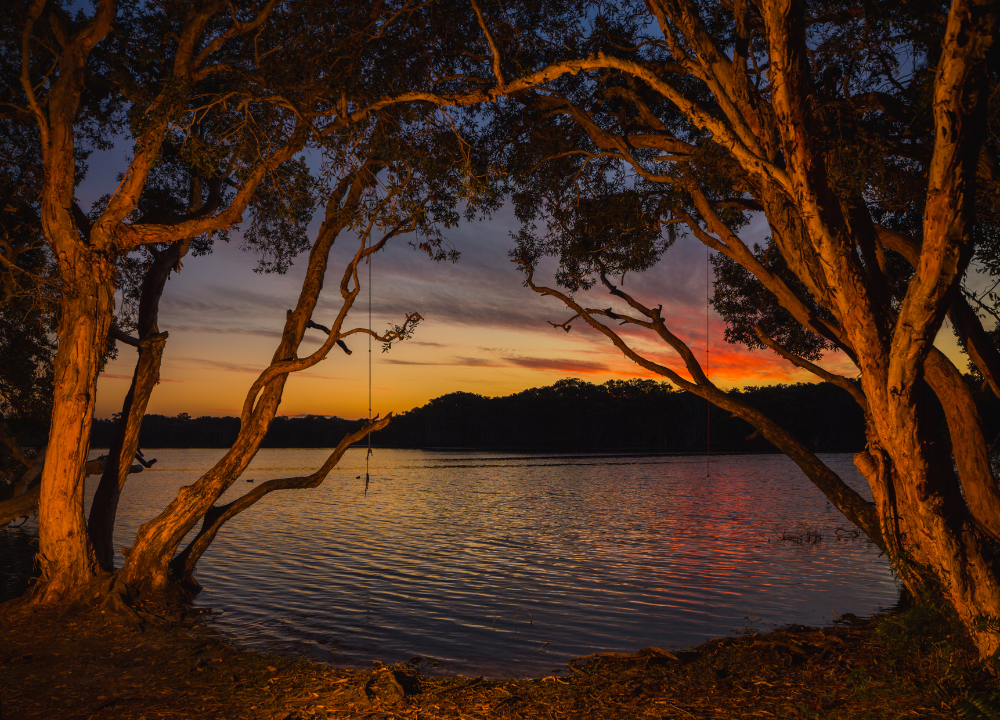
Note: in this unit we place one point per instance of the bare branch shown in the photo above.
(849, 502)
(124, 337)
(185, 562)
(497, 72)
(838, 380)
(238, 28)
(316, 326)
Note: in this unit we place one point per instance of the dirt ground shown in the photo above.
(77, 667)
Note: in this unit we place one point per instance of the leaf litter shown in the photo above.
(54, 666)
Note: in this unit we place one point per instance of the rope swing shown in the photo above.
(368, 456)
(708, 403)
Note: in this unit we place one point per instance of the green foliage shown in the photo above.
(594, 189)
(930, 633)
(926, 628)
(744, 303)
(306, 71)
(29, 293)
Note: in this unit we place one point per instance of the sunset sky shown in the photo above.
(484, 332)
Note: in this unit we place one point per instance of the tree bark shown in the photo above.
(939, 520)
(104, 508)
(147, 568)
(146, 375)
(65, 553)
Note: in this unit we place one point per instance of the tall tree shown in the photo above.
(215, 101)
(55, 53)
(181, 61)
(858, 132)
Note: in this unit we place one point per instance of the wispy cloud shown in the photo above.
(224, 330)
(249, 369)
(572, 366)
(111, 376)
(532, 363)
(478, 362)
(220, 365)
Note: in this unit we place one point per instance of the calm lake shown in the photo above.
(512, 563)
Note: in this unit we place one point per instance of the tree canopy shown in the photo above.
(863, 134)
(247, 114)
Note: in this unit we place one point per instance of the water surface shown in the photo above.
(511, 563)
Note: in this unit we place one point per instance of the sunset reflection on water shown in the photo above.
(506, 563)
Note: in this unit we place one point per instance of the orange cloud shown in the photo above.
(573, 366)
(109, 376)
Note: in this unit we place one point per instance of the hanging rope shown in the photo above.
(708, 403)
(369, 454)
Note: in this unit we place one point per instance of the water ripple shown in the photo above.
(493, 563)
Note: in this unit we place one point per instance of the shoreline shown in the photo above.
(75, 666)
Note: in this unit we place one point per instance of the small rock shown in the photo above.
(385, 686)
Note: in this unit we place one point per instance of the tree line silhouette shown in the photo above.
(571, 415)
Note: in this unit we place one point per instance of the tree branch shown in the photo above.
(843, 497)
(497, 72)
(982, 351)
(838, 380)
(185, 562)
(947, 246)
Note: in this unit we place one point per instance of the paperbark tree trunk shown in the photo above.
(104, 509)
(183, 564)
(66, 556)
(87, 272)
(86, 251)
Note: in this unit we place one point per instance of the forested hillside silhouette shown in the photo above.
(570, 415)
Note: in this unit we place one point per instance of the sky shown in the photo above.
(483, 331)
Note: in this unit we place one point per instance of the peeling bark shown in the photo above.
(86, 254)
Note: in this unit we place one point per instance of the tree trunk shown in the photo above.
(147, 569)
(65, 554)
(104, 509)
(184, 563)
(146, 375)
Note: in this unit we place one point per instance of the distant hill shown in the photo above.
(571, 415)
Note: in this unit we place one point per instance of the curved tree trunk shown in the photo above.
(183, 564)
(854, 507)
(936, 500)
(147, 568)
